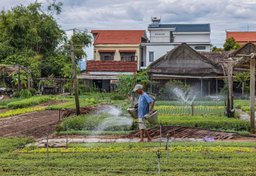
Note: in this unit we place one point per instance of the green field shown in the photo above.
(233, 159)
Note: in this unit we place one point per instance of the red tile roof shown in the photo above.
(118, 36)
(245, 37)
(111, 66)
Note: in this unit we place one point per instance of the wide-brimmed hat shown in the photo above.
(137, 87)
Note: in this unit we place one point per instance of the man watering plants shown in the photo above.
(145, 106)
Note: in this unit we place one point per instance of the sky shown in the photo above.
(232, 15)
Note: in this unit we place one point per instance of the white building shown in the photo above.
(164, 37)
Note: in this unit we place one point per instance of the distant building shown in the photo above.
(165, 37)
(242, 37)
(116, 52)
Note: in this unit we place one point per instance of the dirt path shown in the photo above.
(32, 124)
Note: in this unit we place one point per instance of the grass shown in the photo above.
(4, 103)
(20, 111)
(10, 144)
(196, 103)
(187, 110)
(190, 159)
(70, 103)
(206, 122)
(23, 103)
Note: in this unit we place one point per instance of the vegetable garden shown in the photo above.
(180, 158)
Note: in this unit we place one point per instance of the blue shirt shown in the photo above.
(143, 104)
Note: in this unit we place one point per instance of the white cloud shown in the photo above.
(136, 14)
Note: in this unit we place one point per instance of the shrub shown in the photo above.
(25, 93)
(118, 97)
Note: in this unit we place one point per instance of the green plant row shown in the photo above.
(187, 110)
(88, 122)
(71, 104)
(108, 159)
(206, 122)
(196, 103)
(29, 102)
(20, 111)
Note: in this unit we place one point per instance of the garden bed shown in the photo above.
(179, 158)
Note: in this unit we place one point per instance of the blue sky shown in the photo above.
(136, 14)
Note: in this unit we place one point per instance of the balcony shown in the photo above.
(112, 66)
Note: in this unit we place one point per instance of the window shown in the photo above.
(127, 56)
(105, 56)
(151, 56)
(200, 47)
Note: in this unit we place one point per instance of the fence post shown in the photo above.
(192, 109)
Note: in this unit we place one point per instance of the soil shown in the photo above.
(186, 132)
(34, 124)
(3, 110)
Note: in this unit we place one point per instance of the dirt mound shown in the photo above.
(185, 132)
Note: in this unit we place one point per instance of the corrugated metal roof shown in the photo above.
(184, 27)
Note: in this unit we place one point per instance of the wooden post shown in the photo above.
(201, 87)
(230, 106)
(192, 109)
(209, 87)
(216, 86)
(252, 94)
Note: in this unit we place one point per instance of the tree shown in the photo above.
(242, 78)
(231, 44)
(80, 40)
(127, 82)
(29, 37)
(216, 49)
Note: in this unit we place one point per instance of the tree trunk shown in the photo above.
(243, 86)
(252, 94)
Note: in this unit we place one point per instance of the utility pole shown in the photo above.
(74, 76)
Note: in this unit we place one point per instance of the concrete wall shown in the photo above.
(158, 52)
(159, 36)
(117, 47)
(192, 38)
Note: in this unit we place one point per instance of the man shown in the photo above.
(145, 106)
